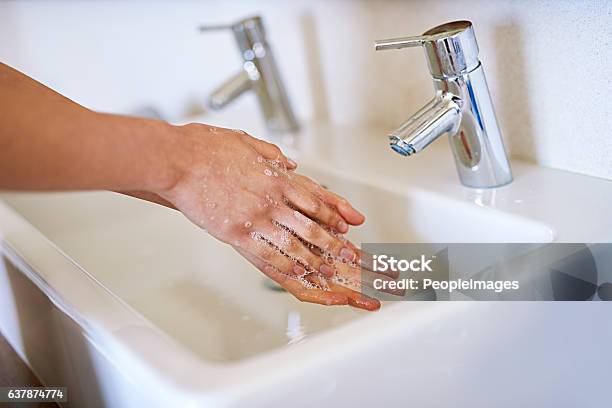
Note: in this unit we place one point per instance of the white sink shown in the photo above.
(166, 315)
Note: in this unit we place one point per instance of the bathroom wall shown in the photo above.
(547, 62)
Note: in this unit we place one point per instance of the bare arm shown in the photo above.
(48, 142)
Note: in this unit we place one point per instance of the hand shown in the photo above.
(244, 192)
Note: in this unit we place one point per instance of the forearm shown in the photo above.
(48, 142)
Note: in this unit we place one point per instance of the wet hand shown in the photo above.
(244, 192)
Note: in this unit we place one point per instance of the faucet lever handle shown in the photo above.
(252, 23)
(400, 42)
(248, 31)
(214, 27)
(451, 48)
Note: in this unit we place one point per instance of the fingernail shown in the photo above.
(347, 254)
(298, 270)
(291, 162)
(326, 271)
(342, 226)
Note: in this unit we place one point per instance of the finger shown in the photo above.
(363, 259)
(265, 251)
(293, 248)
(312, 206)
(311, 232)
(301, 290)
(269, 151)
(358, 258)
(355, 277)
(366, 261)
(348, 212)
(297, 288)
(356, 299)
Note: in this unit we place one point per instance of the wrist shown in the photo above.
(169, 163)
(145, 153)
(185, 150)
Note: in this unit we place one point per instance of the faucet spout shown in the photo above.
(229, 90)
(441, 115)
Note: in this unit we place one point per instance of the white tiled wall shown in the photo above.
(549, 63)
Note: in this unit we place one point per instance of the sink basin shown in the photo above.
(176, 275)
(163, 314)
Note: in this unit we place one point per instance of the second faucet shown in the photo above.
(259, 73)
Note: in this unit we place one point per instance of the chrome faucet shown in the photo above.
(461, 107)
(259, 73)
